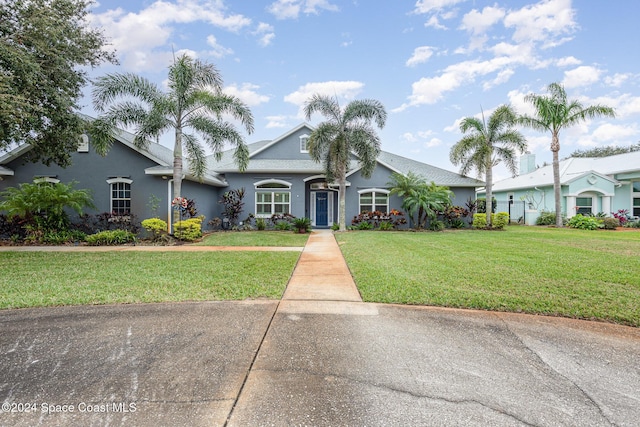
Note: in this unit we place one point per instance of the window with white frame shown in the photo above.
(374, 200)
(636, 198)
(304, 144)
(272, 197)
(584, 205)
(120, 189)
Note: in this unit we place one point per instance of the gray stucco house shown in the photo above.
(281, 178)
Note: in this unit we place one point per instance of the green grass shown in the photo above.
(255, 238)
(32, 279)
(564, 272)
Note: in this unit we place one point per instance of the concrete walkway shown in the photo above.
(318, 357)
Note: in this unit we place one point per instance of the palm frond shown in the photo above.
(107, 89)
(195, 154)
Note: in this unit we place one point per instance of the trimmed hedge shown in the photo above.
(498, 220)
(111, 237)
(188, 229)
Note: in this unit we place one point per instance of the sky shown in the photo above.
(431, 63)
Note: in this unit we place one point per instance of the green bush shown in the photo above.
(457, 223)
(335, 226)
(111, 237)
(302, 224)
(499, 220)
(479, 220)
(261, 224)
(188, 229)
(386, 226)
(283, 226)
(549, 218)
(155, 226)
(585, 222)
(610, 223)
(436, 225)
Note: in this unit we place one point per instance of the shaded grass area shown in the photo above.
(255, 238)
(31, 279)
(562, 272)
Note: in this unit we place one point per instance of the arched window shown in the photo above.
(374, 199)
(120, 189)
(272, 197)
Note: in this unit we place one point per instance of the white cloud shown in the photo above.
(581, 76)
(617, 79)
(265, 34)
(427, 6)
(343, 90)
(568, 61)
(502, 77)
(218, 51)
(479, 22)
(247, 93)
(433, 142)
(542, 21)
(136, 35)
(420, 55)
(291, 9)
(611, 132)
(276, 122)
(434, 22)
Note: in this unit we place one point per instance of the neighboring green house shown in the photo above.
(281, 178)
(588, 186)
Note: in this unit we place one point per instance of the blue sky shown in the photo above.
(430, 62)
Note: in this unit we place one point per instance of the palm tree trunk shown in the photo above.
(489, 193)
(177, 170)
(342, 204)
(555, 148)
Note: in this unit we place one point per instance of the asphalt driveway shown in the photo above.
(312, 363)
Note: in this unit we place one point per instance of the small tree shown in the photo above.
(233, 204)
(422, 201)
(43, 205)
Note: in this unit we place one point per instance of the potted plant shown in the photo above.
(302, 224)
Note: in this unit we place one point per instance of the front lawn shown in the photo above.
(565, 272)
(255, 238)
(32, 279)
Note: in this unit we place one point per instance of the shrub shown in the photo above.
(546, 218)
(386, 226)
(188, 229)
(622, 215)
(283, 226)
(302, 224)
(479, 220)
(233, 204)
(155, 226)
(62, 237)
(436, 225)
(364, 226)
(335, 226)
(610, 223)
(394, 217)
(261, 224)
(457, 223)
(585, 222)
(499, 220)
(111, 237)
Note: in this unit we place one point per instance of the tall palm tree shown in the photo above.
(193, 105)
(487, 144)
(554, 112)
(345, 132)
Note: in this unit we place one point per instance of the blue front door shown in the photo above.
(322, 209)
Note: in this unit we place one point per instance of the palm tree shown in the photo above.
(405, 186)
(487, 144)
(194, 102)
(345, 132)
(553, 113)
(427, 201)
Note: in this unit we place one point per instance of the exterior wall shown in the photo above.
(91, 171)
(287, 149)
(248, 181)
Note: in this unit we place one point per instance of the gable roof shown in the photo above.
(391, 161)
(573, 168)
(155, 152)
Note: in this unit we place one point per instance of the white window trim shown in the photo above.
(373, 200)
(304, 138)
(634, 195)
(118, 180)
(286, 190)
(594, 202)
(48, 179)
